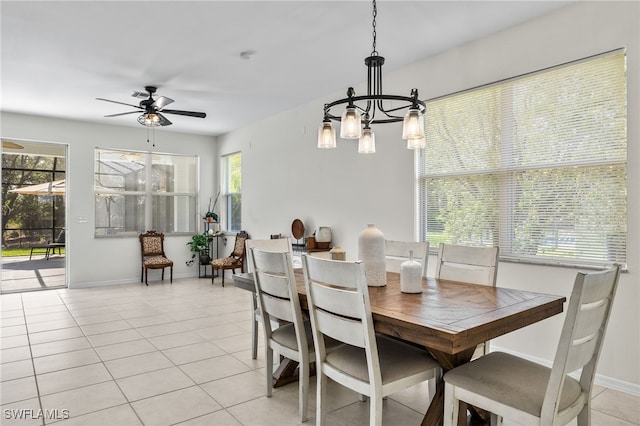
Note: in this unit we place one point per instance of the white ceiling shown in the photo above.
(58, 56)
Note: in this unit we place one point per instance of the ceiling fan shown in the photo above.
(11, 145)
(152, 109)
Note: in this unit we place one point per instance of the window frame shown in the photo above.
(505, 227)
(148, 195)
(229, 194)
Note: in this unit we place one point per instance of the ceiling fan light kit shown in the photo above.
(360, 111)
(153, 109)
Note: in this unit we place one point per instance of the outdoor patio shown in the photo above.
(21, 274)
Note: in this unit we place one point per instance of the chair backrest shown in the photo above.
(60, 238)
(474, 265)
(280, 245)
(339, 307)
(582, 336)
(239, 247)
(397, 252)
(152, 243)
(276, 290)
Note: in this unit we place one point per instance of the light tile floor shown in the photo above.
(168, 355)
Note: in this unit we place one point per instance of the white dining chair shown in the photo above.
(469, 264)
(278, 302)
(397, 252)
(276, 245)
(532, 394)
(370, 364)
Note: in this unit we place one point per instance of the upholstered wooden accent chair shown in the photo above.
(532, 394)
(370, 364)
(397, 252)
(469, 264)
(234, 261)
(153, 256)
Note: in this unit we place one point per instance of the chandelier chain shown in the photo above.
(374, 52)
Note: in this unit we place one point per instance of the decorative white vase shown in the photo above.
(411, 275)
(323, 237)
(371, 252)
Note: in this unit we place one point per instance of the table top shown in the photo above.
(447, 316)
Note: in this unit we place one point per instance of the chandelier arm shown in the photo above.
(411, 101)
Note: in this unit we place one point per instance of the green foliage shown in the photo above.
(212, 215)
(199, 243)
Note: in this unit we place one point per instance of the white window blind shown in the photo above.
(535, 164)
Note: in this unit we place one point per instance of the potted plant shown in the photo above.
(210, 215)
(199, 245)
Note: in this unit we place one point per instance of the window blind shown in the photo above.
(535, 164)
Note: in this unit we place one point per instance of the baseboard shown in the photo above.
(600, 380)
(125, 281)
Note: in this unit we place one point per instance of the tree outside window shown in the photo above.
(232, 187)
(535, 165)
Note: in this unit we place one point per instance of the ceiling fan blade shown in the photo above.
(187, 113)
(163, 120)
(140, 95)
(161, 102)
(116, 102)
(11, 145)
(123, 113)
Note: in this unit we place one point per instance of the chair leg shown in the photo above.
(375, 410)
(222, 273)
(163, 274)
(321, 398)
(303, 392)
(268, 364)
(146, 276)
(171, 279)
(142, 274)
(254, 328)
(584, 416)
(451, 406)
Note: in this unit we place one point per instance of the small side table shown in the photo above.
(202, 269)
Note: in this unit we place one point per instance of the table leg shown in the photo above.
(285, 373)
(435, 413)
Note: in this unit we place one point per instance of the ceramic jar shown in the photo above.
(411, 275)
(338, 253)
(371, 252)
(323, 237)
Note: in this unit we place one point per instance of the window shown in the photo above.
(138, 191)
(535, 164)
(232, 186)
(33, 207)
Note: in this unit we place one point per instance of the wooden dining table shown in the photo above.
(448, 318)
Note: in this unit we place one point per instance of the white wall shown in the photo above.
(286, 177)
(98, 261)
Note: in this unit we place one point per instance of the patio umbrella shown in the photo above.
(56, 187)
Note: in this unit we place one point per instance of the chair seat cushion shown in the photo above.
(285, 335)
(512, 381)
(397, 360)
(157, 261)
(225, 262)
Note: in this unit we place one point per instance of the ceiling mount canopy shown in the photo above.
(360, 111)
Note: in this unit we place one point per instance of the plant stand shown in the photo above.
(202, 268)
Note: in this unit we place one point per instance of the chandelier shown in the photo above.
(360, 111)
